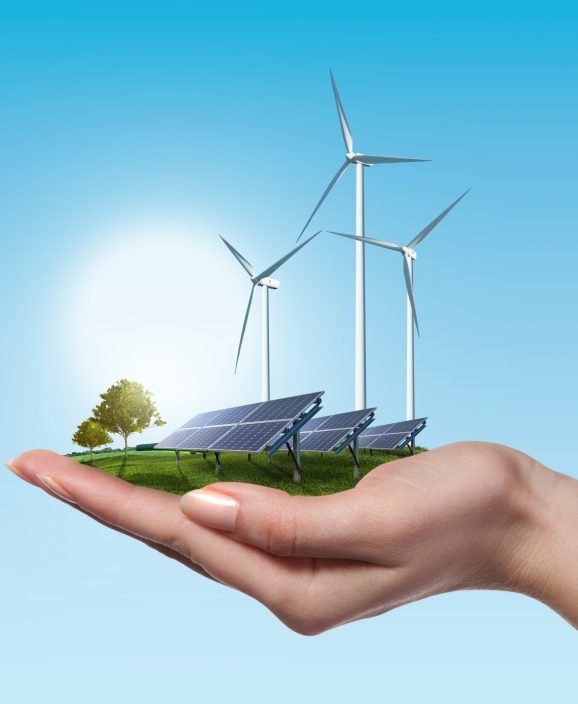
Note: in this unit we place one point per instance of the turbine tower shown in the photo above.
(409, 256)
(264, 280)
(360, 161)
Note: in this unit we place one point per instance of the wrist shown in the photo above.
(540, 553)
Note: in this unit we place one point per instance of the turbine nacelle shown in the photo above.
(354, 158)
(411, 253)
(269, 282)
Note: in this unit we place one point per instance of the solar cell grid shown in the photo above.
(249, 437)
(376, 430)
(322, 440)
(201, 419)
(284, 408)
(202, 438)
(346, 421)
(314, 423)
(406, 426)
(234, 415)
(172, 441)
(389, 441)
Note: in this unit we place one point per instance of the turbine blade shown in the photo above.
(332, 183)
(369, 240)
(426, 230)
(371, 159)
(244, 325)
(274, 267)
(240, 258)
(347, 138)
(409, 287)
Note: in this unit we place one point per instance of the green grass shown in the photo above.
(157, 469)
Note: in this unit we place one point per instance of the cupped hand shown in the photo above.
(464, 516)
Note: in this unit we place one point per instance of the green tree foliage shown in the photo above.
(91, 434)
(126, 408)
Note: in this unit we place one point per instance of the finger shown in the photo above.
(349, 524)
(150, 514)
(168, 552)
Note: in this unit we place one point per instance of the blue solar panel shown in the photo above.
(171, 442)
(406, 426)
(202, 438)
(223, 421)
(322, 440)
(376, 430)
(201, 419)
(234, 415)
(284, 408)
(389, 441)
(345, 421)
(249, 437)
(314, 423)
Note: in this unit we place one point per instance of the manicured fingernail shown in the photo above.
(12, 467)
(56, 487)
(211, 508)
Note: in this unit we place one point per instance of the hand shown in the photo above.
(463, 516)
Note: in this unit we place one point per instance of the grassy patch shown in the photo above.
(157, 469)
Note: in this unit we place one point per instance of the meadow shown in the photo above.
(321, 474)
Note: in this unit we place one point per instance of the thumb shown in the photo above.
(299, 526)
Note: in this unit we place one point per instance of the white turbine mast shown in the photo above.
(361, 161)
(264, 280)
(409, 256)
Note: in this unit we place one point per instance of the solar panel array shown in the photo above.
(248, 428)
(326, 433)
(393, 436)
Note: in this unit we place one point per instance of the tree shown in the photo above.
(126, 408)
(91, 434)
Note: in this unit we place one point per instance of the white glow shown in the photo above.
(161, 304)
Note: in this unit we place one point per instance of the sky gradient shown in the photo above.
(133, 134)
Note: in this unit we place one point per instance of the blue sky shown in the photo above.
(132, 135)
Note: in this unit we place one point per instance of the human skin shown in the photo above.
(464, 516)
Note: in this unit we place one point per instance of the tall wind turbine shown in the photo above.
(264, 280)
(409, 256)
(360, 161)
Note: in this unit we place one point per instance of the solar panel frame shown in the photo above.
(288, 408)
(345, 421)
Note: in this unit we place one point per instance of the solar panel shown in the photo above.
(325, 433)
(247, 428)
(345, 421)
(376, 430)
(284, 408)
(201, 419)
(171, 442)
(388, 441)
(234, 415)
(249, 437)
(393, 436)
(313, 424)
(202, 438)
(322, 440)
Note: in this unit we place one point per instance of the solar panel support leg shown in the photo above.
(355, 454)
(218, 462)
(412, 447)
(178, 454)
(249, 457)
(297, 467)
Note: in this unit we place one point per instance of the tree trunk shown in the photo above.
(125, 446)
(91, 454)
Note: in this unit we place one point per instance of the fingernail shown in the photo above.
(55, 487)
(210, 508)
(12, 467)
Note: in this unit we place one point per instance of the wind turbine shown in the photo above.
(360, 161)
(409, 256)
(264, 280)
